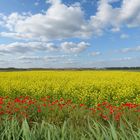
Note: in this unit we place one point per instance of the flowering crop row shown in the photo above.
(89, 87)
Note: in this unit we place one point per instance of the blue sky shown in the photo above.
(69, 33)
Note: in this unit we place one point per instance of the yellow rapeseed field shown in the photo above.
(88, 87)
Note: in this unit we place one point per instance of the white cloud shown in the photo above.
(12, 20)
(71, 47)
(108, 17)
(30, 47)
(130, 13)
(20, 47)
(61, 21)
(95, 53)
(58, 22)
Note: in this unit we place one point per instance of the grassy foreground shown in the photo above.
(12, 130)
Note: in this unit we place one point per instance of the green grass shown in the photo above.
(93, 130)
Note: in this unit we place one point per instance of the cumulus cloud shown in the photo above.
(130, 13)
(108, 17)
(20, 47)
(58, 22)
(71, 47)
(104, 17)
(30, 47)
(61, 21)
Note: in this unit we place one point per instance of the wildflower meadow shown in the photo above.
(70, 105)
